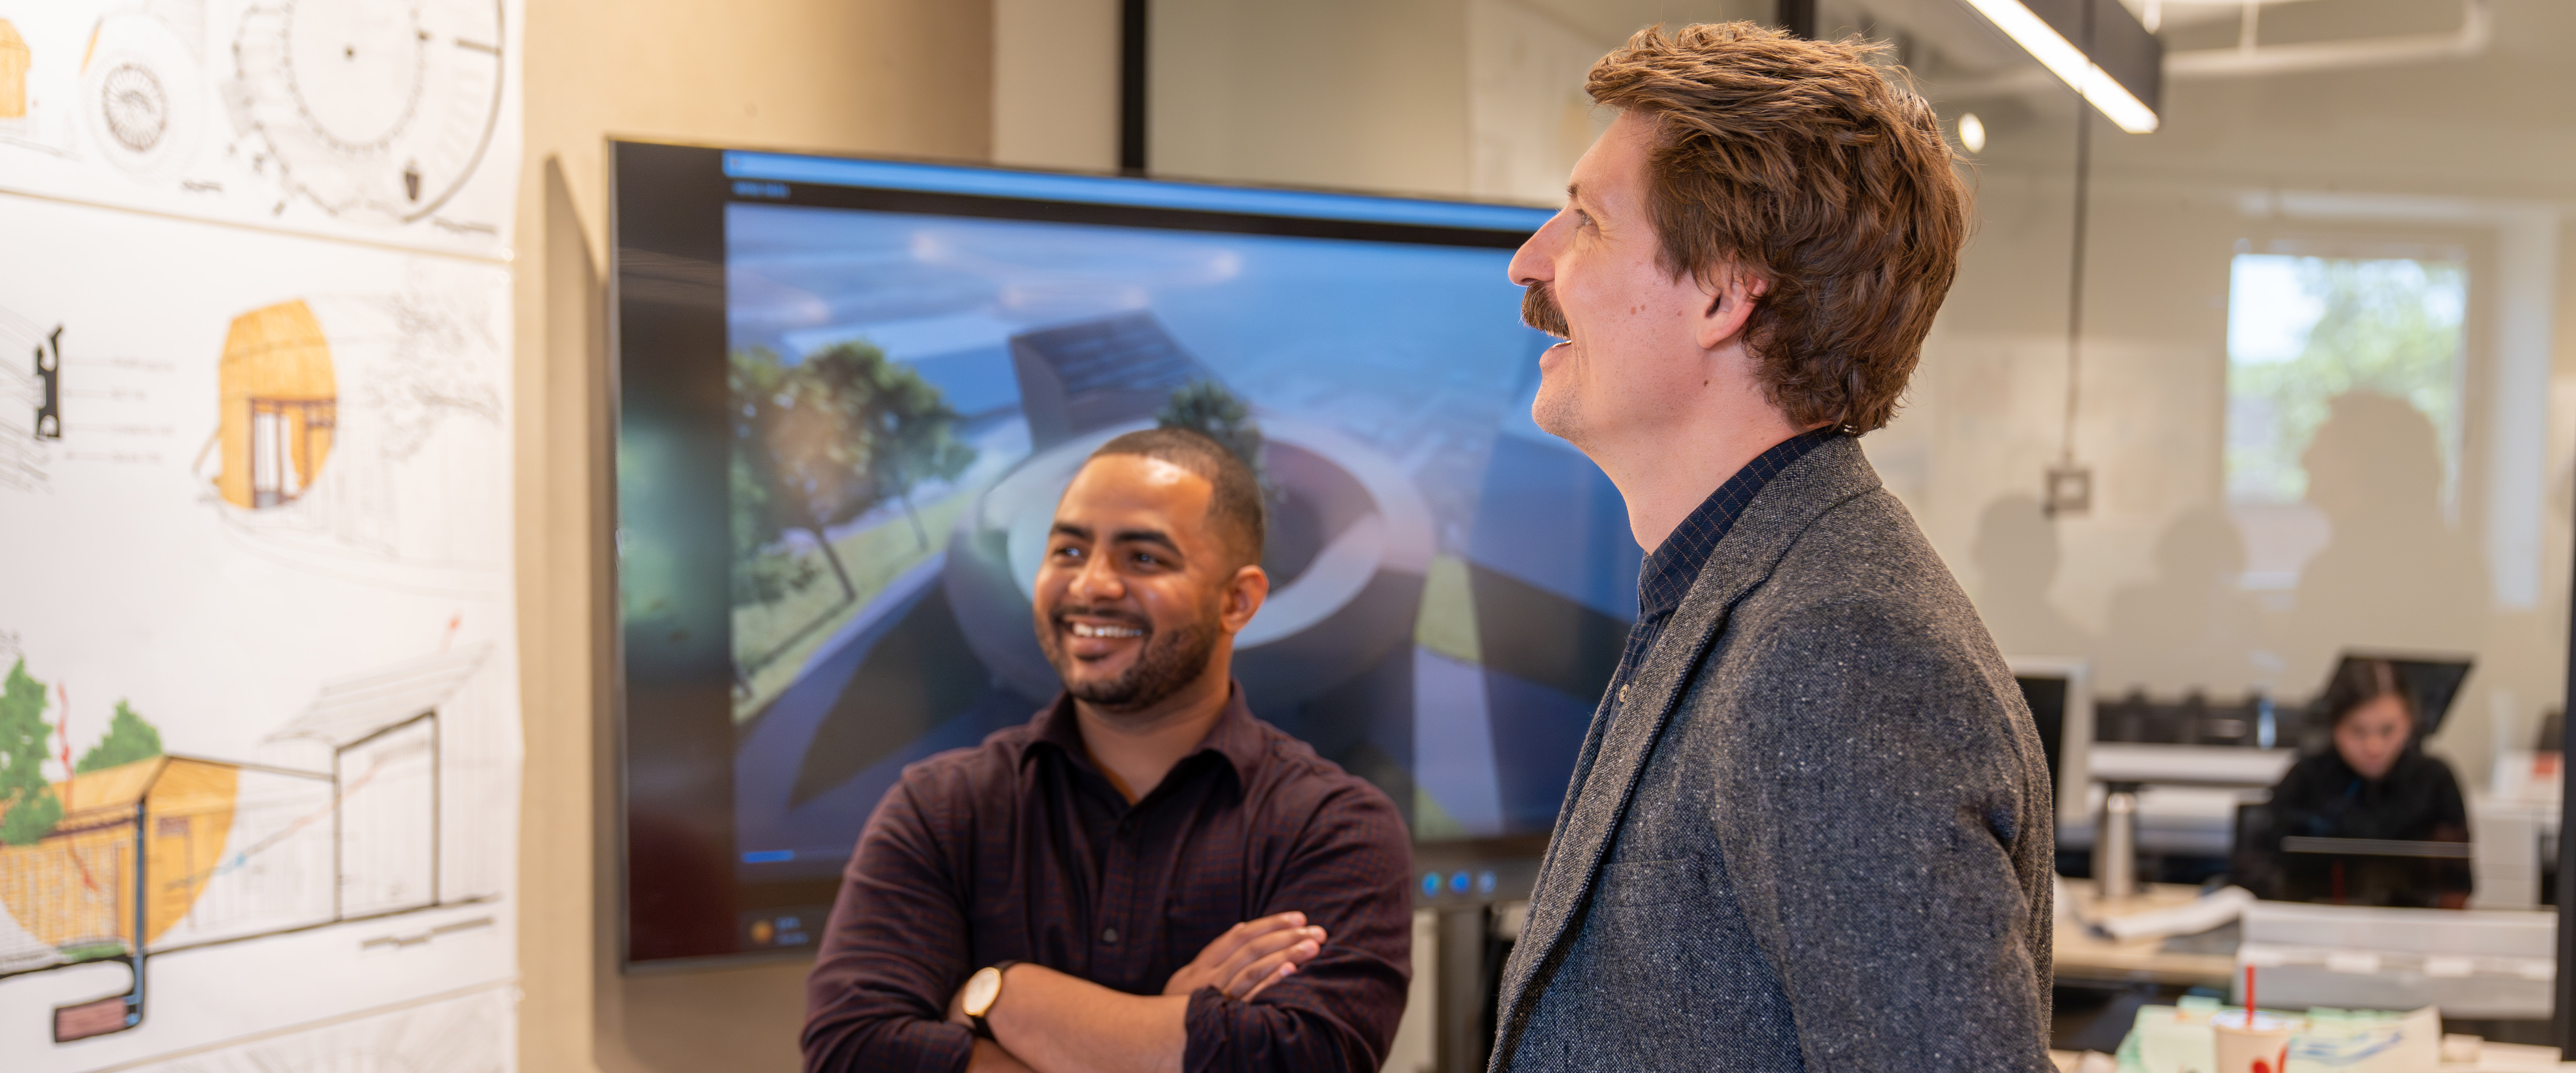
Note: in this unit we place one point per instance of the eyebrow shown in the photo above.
(1124, 536)
(1146, 536)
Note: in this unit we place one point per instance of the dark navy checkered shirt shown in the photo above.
(1668, 571)
(1019, 849)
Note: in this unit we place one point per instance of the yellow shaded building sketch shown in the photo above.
(280, 405)
(14, 58)
(75, 890)
(178, 853)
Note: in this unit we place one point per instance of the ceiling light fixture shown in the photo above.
(2068, 63)
(1972, 133)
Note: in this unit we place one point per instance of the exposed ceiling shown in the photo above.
(1611, 21)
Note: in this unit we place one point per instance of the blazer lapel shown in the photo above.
(1625, 730)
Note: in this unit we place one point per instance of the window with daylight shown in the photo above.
(2302, 331)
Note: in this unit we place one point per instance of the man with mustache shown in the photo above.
(1144, 876)
(1810, 827)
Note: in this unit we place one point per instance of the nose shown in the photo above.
(1535, 261)
(1097, 581)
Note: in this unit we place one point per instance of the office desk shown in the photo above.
(2082, 957)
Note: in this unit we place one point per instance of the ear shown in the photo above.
(1730, 296)
(1241, 598)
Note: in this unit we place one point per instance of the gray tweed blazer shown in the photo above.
(1814, 832)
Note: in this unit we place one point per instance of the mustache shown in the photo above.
(1539, 310)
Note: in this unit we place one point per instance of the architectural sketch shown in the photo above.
(471, 1033)
(370, 112)
(279, 404)
(275, 524)
(31, 411)
(392, 122)
(177, 853)
(143, 87)
(13, 72)
(359, 434)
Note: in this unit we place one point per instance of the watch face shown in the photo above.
(981, 989)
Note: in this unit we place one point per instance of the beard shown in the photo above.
(1169, 660)
(1539, 310)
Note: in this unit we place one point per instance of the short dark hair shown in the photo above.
(2360, 681)
(1235, 511)
(1803, 165)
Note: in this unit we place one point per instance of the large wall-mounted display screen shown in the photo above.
(852, 390)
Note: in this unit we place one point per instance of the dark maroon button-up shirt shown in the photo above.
(1020, 850)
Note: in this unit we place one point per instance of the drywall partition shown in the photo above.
(871, 76)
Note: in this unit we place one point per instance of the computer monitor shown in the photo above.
(810, 601)
(2370, 871)
(2059, 691)
(2432, 682)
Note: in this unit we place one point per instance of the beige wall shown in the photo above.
(1055, 83)
(1359, 94)
(910, 77)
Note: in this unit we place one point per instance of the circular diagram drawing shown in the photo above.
(371, 110)
(136, 107)
(141, 98)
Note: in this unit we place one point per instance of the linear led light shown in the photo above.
(2069, 64)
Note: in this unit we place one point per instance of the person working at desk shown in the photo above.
(1144, 876)
(2376, 783)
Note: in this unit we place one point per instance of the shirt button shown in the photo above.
(1109, 935)
(1623, 694)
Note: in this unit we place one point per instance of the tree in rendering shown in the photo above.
(898, 426)
(1207, 407)
(785, 474)
(821, 442)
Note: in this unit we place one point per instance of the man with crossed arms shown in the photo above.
(1144, 876)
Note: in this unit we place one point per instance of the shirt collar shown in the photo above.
(1667, 574)
(1236, 736)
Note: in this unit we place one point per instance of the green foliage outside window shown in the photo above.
(2386, 326)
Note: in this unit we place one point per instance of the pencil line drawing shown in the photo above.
(359, 436)
(31, 412)
(365, 115)
(176, 852)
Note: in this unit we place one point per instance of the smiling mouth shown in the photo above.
(1085, 629)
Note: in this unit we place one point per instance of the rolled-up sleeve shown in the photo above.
(895, 949)
(1349, 871)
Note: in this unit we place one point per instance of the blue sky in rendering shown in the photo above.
(1295, 324)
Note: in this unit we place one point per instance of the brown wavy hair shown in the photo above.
(1804, 165)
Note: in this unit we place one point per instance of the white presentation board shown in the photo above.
(259, 727)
